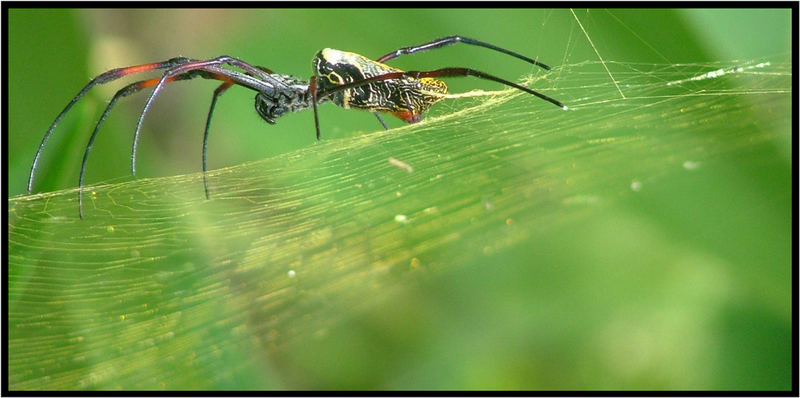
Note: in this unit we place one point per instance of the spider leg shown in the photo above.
(312, 87)
(103, 78)
(219, 90)
(124, 92)
(380, 119)
(446, 41)
(444, 72)
(254, 78)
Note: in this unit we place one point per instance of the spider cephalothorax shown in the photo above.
(292, 97)
(344, 78)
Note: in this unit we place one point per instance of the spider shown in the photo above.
(347, 79)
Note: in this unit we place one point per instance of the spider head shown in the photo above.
(269, 109)
(290, 96)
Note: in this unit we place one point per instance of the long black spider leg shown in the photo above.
(217, 92)
(257, 78)
(312, 88)
(103, 78)
(124, 92)
(446, 41)
(444, 72)
(380, 119)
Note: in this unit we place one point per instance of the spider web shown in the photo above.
(160, 288)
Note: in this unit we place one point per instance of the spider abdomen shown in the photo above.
(405, 97)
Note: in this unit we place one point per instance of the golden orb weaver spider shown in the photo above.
(347, 79)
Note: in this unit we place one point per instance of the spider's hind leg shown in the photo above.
(449, 40)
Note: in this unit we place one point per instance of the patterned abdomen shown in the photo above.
(407, 97)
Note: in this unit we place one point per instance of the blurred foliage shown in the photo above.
(626, 244)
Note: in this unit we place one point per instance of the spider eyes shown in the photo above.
(268, 109)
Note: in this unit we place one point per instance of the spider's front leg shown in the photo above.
(255, 78)
(228, 77)
(103, 78)
(136, 87)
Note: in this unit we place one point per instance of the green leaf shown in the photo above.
(501, 243)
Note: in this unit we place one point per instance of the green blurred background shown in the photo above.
(647, 292)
